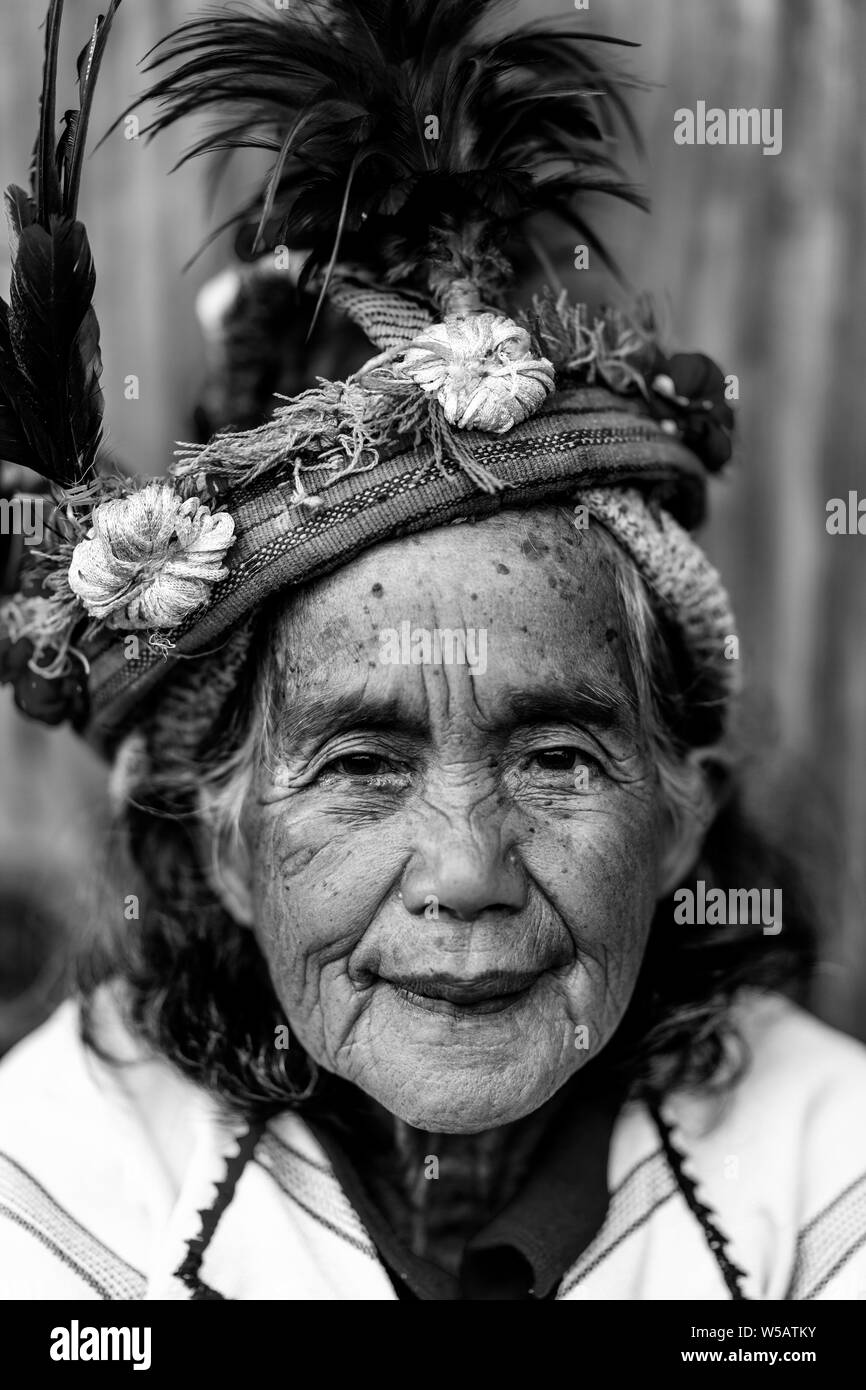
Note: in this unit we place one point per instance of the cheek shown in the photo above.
(318, 881)
(598, 867)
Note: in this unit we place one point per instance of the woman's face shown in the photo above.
(454, 865)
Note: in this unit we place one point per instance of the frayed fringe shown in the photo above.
(49, 619)
(614, 346)
(160, 643)
(335, 429)
(48, 624)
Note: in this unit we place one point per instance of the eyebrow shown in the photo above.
(595, 701)
(333, 714)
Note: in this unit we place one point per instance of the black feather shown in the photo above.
(50, 363)
(14, 445)
(341, 90)
(89, 62)
(44, 177)
(55, 341)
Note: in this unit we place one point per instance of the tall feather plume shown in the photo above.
(50, 400)
(342, 93)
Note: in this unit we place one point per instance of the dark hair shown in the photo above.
(197, 987)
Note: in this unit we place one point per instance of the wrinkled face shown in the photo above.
(454, 863)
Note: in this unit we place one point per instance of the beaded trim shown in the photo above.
(188, 1270)
(717, 1242)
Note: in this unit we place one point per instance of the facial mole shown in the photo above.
(502, 569)
(377, 591)
(611, 634)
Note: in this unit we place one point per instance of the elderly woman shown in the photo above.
(441, 961)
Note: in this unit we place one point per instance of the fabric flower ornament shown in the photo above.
(689, 389)
(150, 559)
(482, 370)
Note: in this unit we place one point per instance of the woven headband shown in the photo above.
(468, 406)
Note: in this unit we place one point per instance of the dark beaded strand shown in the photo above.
(188, 1270)
(718, 1243)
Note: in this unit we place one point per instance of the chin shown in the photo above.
(466, 1104)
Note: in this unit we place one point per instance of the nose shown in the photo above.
(463, 873)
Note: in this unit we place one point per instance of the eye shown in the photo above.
(563, 765)
(360, 765)
(555, 759)
(365, 769)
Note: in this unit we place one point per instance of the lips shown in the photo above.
(479, 994)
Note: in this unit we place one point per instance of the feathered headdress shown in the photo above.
(412, 148)
(405, 139)
(50, 399)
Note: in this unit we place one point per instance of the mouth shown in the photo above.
(464, 998)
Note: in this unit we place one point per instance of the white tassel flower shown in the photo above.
(482, 370)
(150, 559)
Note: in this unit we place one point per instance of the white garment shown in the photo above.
(104, 1171)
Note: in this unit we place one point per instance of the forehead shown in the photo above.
(539, 597)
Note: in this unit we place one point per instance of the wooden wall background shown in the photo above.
(760, 261)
